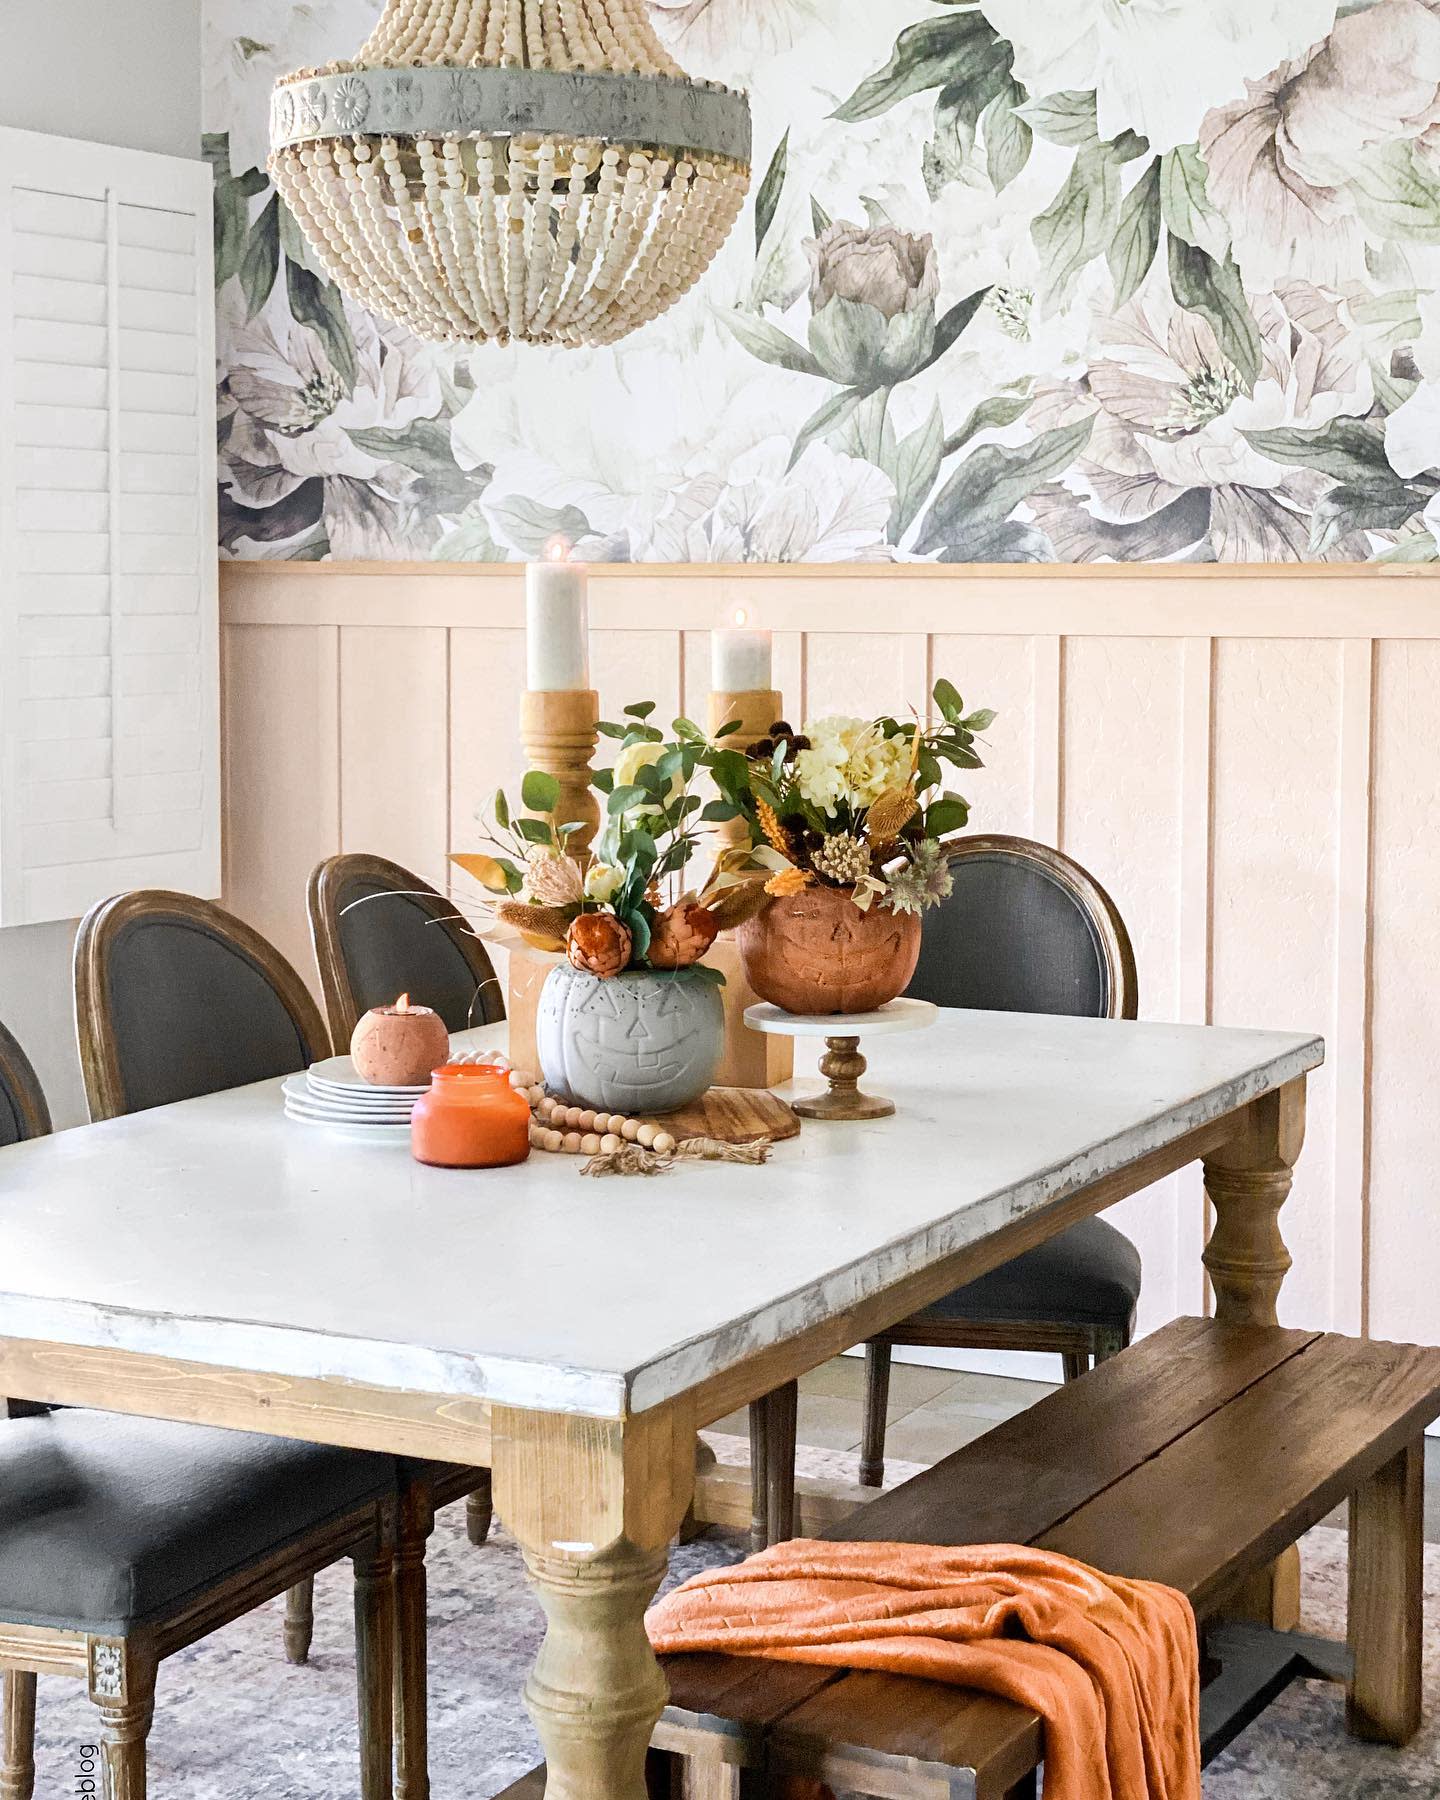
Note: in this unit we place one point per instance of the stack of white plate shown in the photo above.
(332, 1094)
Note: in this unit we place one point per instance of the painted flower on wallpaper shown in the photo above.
(1110, 279)
(1175, 419)
(825, 508)
(1331, 154)
(296, 432)
(1156, 67)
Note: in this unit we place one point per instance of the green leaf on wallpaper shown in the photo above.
(296, 246)
(947, 154)
(1348, 449)
(819, 218)
(1420, 548)
(1008, 139)
(1213, 290)
(261, 262)
(952, 324)
(529, 525)
(847, 338)
(1078, 224)
(1396, 194)
(1066, 118)
(770, 343)
(1362, 507)
(990, 415)
(1008, 541)
(915, 464)
(470, 541)
(958, 48)
(993, 480)
(424, 446)
(825, 419)
(1137, 235)
(768, 197)
(317, 304)
(1185, 203)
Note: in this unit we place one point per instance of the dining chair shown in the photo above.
(379, 930)
(1024, 929)
(122, 1540)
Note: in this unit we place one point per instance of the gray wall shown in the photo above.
(115, 72)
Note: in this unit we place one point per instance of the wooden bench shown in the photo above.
(1193, 1458)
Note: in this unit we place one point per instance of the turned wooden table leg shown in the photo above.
(1247, 1180)
(594, 1504)
(299, 1620)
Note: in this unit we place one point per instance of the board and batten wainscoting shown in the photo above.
(1249, 759)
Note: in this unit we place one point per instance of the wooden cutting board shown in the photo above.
(734, 1116)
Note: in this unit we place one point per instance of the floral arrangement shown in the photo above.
(623, 903)
(857, 804)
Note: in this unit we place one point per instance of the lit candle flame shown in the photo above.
(402, 1005)
(557, 549)
(742, 618)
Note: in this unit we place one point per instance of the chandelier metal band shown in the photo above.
(701, 119)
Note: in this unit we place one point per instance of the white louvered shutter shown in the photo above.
(109, 661)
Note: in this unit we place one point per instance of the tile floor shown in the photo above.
(935, 1411)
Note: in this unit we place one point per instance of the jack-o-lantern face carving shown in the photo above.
(636, 1043)
(816, 952)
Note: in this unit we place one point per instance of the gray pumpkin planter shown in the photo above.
(639, 1043)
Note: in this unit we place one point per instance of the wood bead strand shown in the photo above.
(581, 1131)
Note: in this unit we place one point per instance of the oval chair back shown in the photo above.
(23, 1112)
(1026, 929)
(406, 937)
(174, 997)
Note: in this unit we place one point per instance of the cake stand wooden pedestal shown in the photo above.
(842, 1064)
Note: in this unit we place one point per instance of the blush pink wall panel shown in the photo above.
(1243, 757)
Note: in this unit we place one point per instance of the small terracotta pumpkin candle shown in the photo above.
(399, 1045)
(472, 1118)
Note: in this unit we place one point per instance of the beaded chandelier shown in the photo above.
(533, 171)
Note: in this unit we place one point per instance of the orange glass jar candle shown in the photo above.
(471, 1118)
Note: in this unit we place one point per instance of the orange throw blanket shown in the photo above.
(1112, 1666)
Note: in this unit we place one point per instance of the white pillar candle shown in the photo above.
(740, 658)
(557, 627)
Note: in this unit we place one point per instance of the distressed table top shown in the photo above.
(220, 1232)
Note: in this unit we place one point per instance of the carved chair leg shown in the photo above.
(17, 1769)
(122, 1685)
(759, 1474)
(412, 1726)
(877, 1403)
(1075, 1362)
(1386, 1578)
(772, 1466)
(781, 1411)
(300, 1620)
(375, 1661)
(479, 1512)
(1109, 1343)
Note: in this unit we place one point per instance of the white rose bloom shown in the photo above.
(603, 882)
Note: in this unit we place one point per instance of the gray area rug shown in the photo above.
(235, 1722)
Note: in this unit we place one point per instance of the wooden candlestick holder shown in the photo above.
(750, 1061)
(559, 732)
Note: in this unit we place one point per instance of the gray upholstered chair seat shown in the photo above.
(1089, 1275)
(106, 1521)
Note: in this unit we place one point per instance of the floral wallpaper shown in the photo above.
(1133, 280)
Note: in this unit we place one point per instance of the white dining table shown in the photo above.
(218, 1262)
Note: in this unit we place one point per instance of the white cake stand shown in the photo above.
(842, 1064)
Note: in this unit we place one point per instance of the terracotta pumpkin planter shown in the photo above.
(816, 952)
